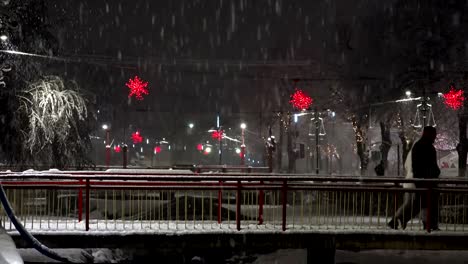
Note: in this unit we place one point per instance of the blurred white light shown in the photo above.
(169, 147)
(105, 127)
(3, 37)
(295, 118)
(147, 141)
(238, 150)
(208, 149)
(333, 114)
(408, 93)
(191, 125)
(243, 126)
(141, 149)
(440, 94)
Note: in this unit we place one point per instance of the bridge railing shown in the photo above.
(98, 201)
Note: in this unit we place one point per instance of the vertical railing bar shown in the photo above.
(185, 210)
(114, 208)
(177, 213)
(105, 209)
(57, 212)
(229, 209)
(122, 204)
(284, 204)
(194, 209)
(293, 208)
(386, 206)
(220, 202)
(363, 205)
(238, 206)
(302, 209)
(379, 200)
(211, 209)
(87, 205)
(202, 209)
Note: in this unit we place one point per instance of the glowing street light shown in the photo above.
(191, 125)
(3, 37)
(106, 127)
(408, 93)
(243, 126)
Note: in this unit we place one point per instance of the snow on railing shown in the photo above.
(149, 201)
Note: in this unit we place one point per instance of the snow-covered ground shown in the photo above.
(8, 252)
(283, 256)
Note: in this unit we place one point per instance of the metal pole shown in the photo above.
(242, 154)
(398, 159)
(108, 148)
(220, 147)
(316, 114)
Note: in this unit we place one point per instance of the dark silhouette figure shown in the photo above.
(423, 166)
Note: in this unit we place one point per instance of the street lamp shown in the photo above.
(408, 93)
(243, 126)
(3, 37)
(191, 125)
(106, 127)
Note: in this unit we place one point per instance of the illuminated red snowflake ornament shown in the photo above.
(300, 100)
(117, 149)
(199, 147)
(136, 137)
(137, 88)
(454, 98)
(157, 149)
(217, 134)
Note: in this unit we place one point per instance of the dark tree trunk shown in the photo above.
(279, 145)
(462, 147)
(386, 143)
(291, 152)
(406, 143)
(361, 140)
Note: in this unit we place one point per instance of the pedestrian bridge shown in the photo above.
(249, 210)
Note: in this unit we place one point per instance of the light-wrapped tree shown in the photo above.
(56, 115)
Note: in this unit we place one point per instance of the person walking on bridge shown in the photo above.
(421, 165)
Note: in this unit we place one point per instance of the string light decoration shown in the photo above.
(117, 149)
(454, 98)
(136, 137)
(217, 134)
(300, 100)
(137, 87)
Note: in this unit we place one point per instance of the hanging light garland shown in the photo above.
(454, 98)
(300, 100)
(137, 87)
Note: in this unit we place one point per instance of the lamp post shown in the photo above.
(108, 144)
(243, 126)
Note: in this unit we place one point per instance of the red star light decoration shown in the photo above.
(137, 88)
(454, 98)
(217, 134)
(136, 137)
(300, 100)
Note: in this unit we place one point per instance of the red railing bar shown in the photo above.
(80, 203)
(87, 204)
(220, 202)
(238, 206)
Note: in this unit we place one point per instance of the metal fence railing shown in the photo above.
(79, 201)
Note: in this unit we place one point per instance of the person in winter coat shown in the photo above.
(421, 163)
